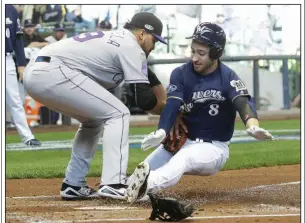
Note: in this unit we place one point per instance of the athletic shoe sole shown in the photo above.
(107, 191)
(65, 196)
(141, 174)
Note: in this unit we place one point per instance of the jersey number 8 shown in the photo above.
(214, 109)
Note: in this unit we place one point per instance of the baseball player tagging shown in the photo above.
(74, 76)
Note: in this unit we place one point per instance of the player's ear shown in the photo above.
(142, 34)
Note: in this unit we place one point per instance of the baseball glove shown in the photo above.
(175, 144)
(169, 209)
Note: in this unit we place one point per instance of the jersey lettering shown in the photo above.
(203, 96)
(113, 43)
(88, 36)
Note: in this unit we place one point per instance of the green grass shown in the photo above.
(269, 153)
(50, 136)
(282, 124)
(50, 164)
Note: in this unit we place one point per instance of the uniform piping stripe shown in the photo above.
(87, 91)
(106, 103)
(121, 148)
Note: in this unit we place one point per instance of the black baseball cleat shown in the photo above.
(33, 142)
(69, 192)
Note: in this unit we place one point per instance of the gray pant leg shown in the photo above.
(83, 150)
(115, 150)
(73, 94)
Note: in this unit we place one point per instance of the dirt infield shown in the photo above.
(254, 195)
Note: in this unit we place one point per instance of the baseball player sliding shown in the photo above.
(208, 93)
(74, 76)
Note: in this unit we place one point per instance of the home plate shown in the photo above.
(105, 208)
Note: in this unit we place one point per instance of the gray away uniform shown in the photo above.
(76, 82)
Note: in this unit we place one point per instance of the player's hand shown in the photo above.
(178, 125)
(154, 139)
(20, 72)
(259, 133)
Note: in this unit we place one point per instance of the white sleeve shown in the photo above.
(50, 39)
(134, 65)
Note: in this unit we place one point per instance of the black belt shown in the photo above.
(43, 59)
(199, 140)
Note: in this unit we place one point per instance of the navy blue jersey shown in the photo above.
(207, 100)
(13, 35)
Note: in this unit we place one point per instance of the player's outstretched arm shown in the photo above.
(255, 131)
(169, 114)
(249, 116)
(167, 120)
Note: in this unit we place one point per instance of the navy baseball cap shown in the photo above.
(28, 23)
(59, 27)
(150, 23)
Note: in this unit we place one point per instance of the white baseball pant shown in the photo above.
(194, 158)
(14, 102)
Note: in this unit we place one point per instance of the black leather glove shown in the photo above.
(169, 209)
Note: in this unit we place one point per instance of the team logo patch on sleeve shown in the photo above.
(144, 68)
(8, 21)
(171, 88)
(238, 85)
(7, 33)
(18, 22)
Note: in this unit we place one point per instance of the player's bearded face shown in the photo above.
(148, 43)
(29, 30)
(59, 35)
(200, 57)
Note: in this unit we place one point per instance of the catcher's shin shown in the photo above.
(169, 209)
(175, 144)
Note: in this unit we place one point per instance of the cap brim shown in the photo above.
(159, 38)
(190, 37)
(60, 30)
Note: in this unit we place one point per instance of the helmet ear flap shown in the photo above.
(215, 53)
(213, 35)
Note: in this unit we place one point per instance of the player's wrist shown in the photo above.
(252, 123)
(162, 132)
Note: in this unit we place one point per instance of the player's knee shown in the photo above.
(125, 113)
